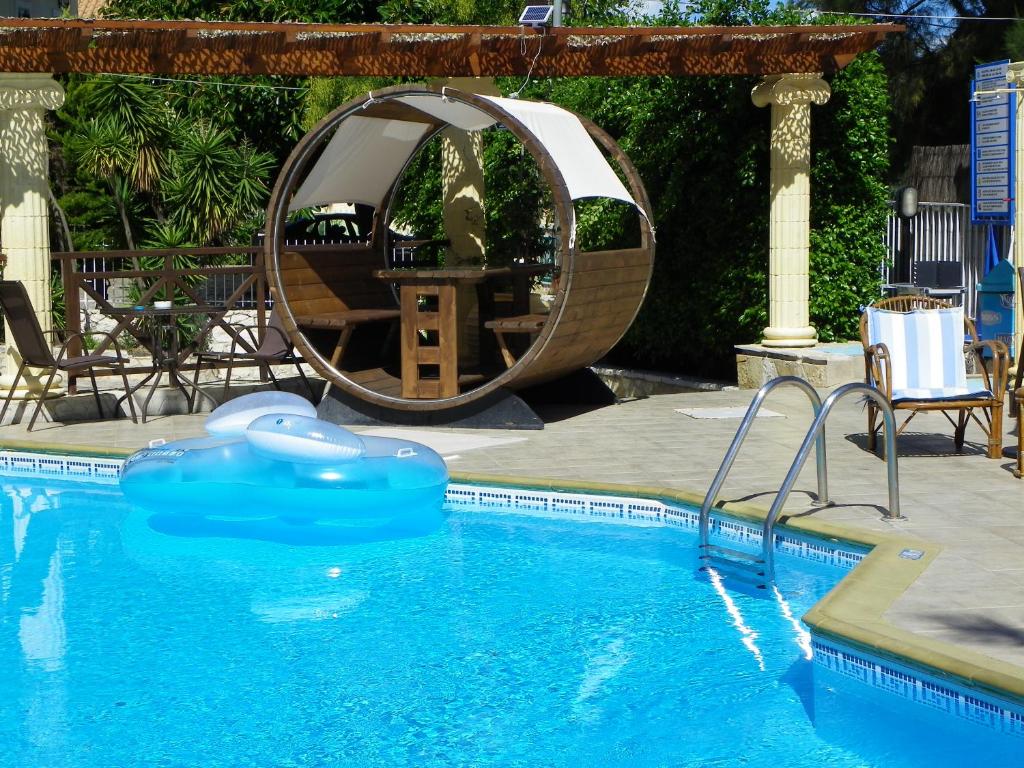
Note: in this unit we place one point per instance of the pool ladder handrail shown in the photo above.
(815, 435)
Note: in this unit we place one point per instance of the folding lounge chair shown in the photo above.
(36, 352)
(275, 349)
(914, 354)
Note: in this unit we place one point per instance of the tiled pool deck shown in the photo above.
(971, 594)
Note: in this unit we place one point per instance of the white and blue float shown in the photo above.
(269, 469)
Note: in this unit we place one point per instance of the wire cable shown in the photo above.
(207, 82)
(529, 72)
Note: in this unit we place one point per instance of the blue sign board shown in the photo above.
(993, 105)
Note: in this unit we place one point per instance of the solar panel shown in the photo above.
(536, 15)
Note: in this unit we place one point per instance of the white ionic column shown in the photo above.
(1015, 75)
(462, 179)
(24, 226)
(463, 208)
(790, 97)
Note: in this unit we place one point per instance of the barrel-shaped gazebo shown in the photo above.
(381, 335)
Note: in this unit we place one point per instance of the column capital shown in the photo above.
(791, 90)
(30, 91)
(1015, 73)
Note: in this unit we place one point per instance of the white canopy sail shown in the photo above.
(366, 154)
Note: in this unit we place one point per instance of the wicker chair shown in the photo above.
(936, 381)
(36, 352)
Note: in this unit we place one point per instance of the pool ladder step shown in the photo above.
(733, 561)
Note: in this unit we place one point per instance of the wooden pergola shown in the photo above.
(233, 48)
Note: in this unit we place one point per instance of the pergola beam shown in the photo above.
(290, 49)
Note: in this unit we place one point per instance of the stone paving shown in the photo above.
(973, 593)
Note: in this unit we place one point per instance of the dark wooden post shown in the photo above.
(72, 309)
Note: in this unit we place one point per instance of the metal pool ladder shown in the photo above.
(762, 567)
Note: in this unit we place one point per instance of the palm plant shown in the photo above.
(142, 115)
(124, 145)
(213, 185)
(103, 148)
(168, 235)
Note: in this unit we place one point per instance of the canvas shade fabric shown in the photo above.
(366, 154)
(926, 347)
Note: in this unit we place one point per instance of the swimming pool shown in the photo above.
(503, 639)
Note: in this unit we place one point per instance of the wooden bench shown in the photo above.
(335, 291)
(515, 324)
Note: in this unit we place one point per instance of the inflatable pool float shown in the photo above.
(270, 469)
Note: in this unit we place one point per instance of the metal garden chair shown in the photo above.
(274, 349)
(23, 328)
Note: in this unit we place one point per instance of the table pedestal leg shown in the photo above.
(439, 351)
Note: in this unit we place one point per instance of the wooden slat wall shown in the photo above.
(322, 283)
(605, 291)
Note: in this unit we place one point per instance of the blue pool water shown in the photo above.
(500, 640)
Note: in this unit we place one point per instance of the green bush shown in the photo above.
(849, 198)
(702, 150)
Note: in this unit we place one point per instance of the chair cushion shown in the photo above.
(946, 393)
(926, 347)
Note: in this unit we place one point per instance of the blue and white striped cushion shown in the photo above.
(927, 351)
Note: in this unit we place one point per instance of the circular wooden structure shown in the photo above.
(329, 296)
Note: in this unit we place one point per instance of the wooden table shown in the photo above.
(436, 349)
(439, 350)
(165, 346)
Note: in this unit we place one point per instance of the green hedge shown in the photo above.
(702, 149)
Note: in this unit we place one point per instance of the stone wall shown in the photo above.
(217, 341)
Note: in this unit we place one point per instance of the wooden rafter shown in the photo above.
(227, 48)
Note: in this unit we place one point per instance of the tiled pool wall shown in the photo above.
(919, 688)
(623, 510)
(892, 677)
(90, 469)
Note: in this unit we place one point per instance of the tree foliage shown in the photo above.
(158, 166)
(197, 152)
(850, 199)
(500, 12)
(321, 12)
(931, 64)
(516, 202)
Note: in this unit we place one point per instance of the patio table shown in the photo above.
(441, 352)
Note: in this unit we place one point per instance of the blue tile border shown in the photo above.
(90, 469)
(918, 687)
(582, 507)
(624, 510)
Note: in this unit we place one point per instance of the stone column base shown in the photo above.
(30, 390)
(826, 365)
(30, 386)
(790, 337)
